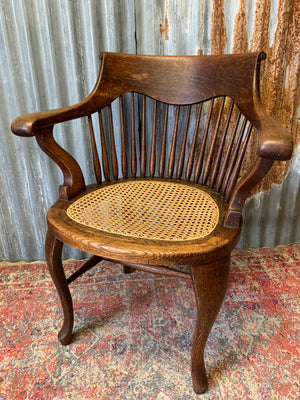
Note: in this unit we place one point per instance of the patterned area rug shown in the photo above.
(133, 333)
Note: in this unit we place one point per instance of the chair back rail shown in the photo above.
(180, 80)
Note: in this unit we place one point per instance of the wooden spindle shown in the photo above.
(221, 148)
(190, 162)
(162, 158)
(114, 159)
(153, 144)
(233, 158)
(143, 143)
(183, 145)
(203, 144)
(133, 145)
(123, 141)
(208, 163)
(96, 162)
(227, 154)
(173, 146)
(105, 163)
(236, 170)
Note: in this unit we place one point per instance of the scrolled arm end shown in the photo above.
(275, 141)
(30, 124)
(24, 125)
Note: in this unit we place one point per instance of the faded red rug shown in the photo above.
(134, 332)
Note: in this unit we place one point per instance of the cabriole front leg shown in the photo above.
(210, 284)
(53, 258)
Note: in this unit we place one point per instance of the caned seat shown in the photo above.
(148, 209)
(171, 141)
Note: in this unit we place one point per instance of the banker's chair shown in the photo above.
(173, 195)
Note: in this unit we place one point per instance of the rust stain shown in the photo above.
(260, 39)
(218, 31)
(291, 94)
(201, 41)
(240, 30)
(260, 42)
(164, 30)
(276, 63)
(280, 72)
(282, 65)
(240, 44)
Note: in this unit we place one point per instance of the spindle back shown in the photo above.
(202, 143)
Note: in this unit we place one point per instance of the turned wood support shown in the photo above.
(73, 178)
(243, 190)
(210, 284)
(53, 248)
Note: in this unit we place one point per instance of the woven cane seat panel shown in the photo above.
(149, 210)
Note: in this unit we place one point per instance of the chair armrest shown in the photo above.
(275, 142)
(40, 125)
(28, 125)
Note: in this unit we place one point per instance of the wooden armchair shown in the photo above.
(173, 195)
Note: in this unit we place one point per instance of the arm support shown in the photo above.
(275, 143)
(73, 178)
(241, 192)
(40, 125)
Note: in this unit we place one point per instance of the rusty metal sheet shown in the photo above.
(49, 57)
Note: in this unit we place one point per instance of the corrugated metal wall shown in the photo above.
(50, 58)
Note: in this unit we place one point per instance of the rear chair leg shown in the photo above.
(210, 284)
(53, 249)
(128, 270)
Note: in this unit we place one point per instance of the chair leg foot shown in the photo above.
(53, 249)
(210, 284)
